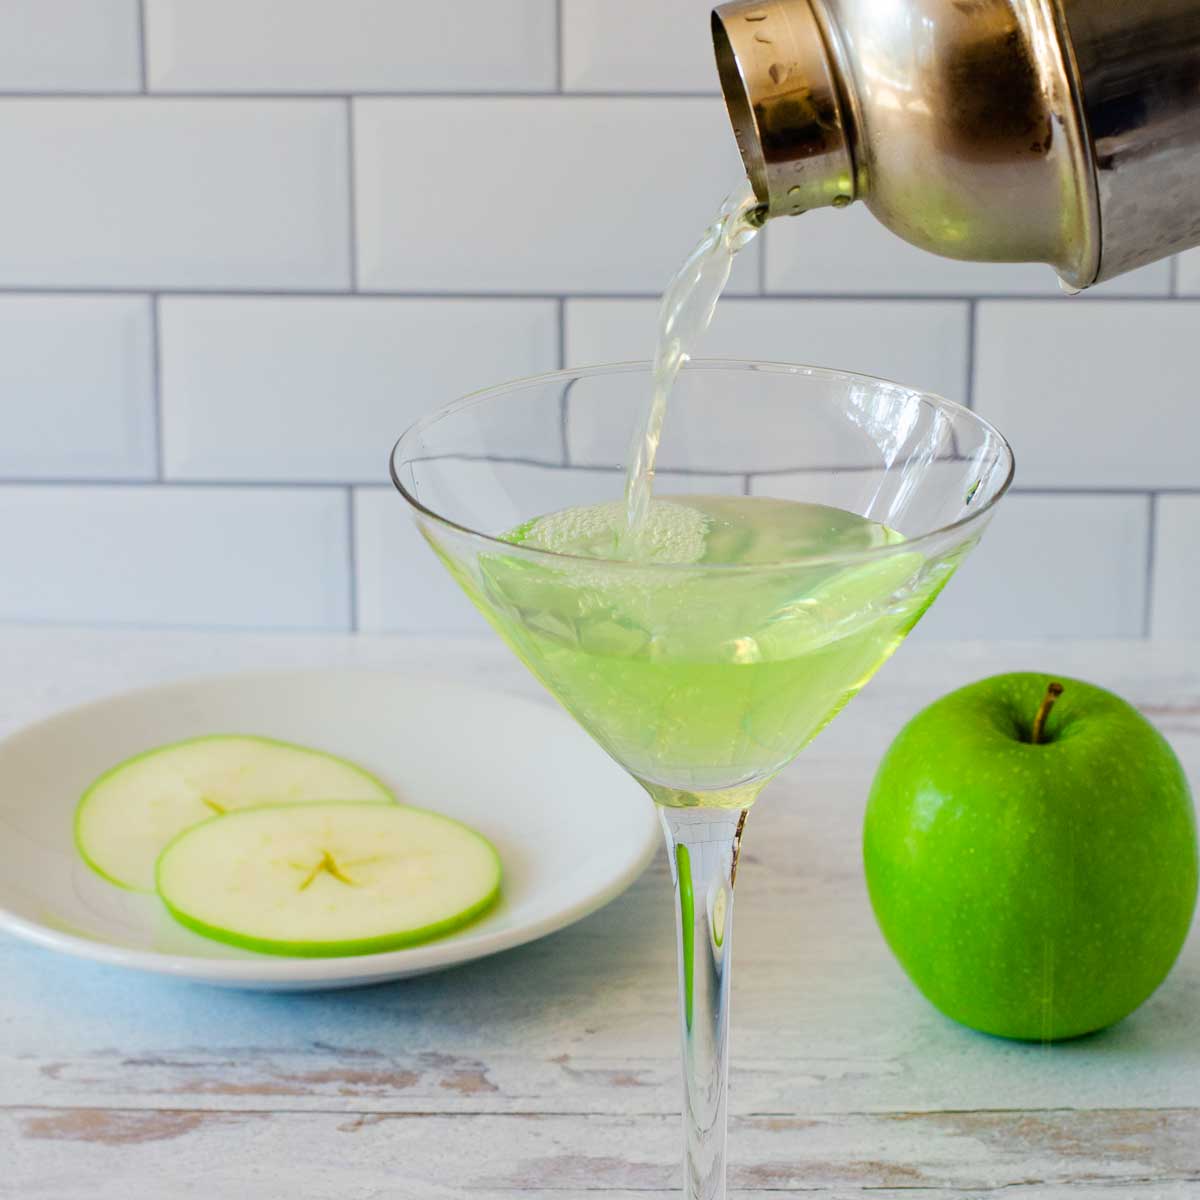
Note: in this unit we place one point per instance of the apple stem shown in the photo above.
(1053, 690)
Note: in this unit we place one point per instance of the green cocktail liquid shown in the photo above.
(702, 679)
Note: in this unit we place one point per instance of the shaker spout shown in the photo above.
(781, 92)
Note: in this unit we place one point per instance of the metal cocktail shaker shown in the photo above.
(1058, 131)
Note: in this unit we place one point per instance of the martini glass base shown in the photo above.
(703, 846)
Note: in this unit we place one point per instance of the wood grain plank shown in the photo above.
(101, 1152)
(553, 1067)
(823, 1019)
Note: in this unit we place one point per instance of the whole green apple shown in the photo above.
(1030, 850)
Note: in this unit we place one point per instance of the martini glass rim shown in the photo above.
(566, 375)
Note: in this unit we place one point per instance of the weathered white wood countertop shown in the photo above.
(551, 1070)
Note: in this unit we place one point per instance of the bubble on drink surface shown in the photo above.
(672, 533)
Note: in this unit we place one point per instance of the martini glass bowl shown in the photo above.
(704, 680)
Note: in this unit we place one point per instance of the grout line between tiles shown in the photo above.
(932, 297)
(233, 291)
(142, 51)
(563, 414)
(1103, 490)
(283, 485)
(558, 47)
(547, 93)
(156, 387)
(564, 434)
(352, 193)
(352, 558)
(142, 626)
(1151, 548)
(972, 315)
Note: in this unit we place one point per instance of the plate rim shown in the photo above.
(284, 970)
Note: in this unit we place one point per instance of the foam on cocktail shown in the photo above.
(669, 533)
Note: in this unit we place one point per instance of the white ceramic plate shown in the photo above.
(573, 830)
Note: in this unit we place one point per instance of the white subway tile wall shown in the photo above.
(1189, 273)
(920, 341)
(1052, 565)
(243, 243)
(185, 556)
(1093, 395)
(400, 585)
(138, 192)
(635, 46)
(548, 194)
(1175, 591)
(308, 389)
(69, 46)
(77, 387)
(350, 45)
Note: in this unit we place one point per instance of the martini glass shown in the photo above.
(704, 680)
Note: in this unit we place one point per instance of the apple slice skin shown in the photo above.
(385, 793)
(341, 948)
(352, 948)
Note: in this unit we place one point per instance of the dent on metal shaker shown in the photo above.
(1058, 131)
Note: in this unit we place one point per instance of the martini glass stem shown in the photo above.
(703, 844)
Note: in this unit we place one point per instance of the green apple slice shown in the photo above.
(132, 811)
(318, 880)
